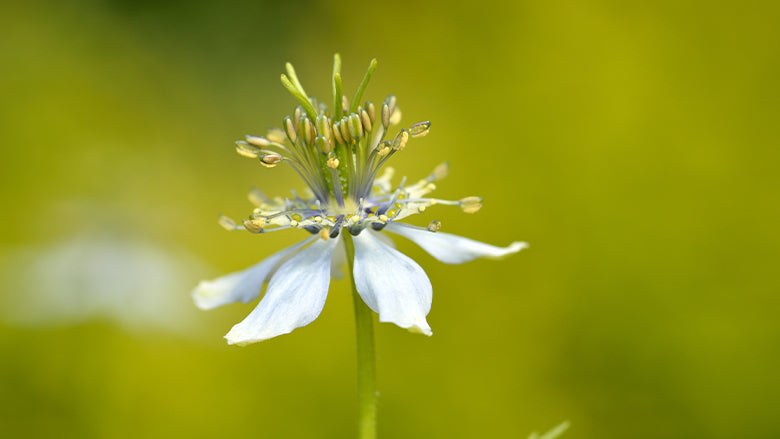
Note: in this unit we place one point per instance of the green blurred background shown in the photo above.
(634, 145)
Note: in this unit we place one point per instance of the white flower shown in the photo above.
(339, 155)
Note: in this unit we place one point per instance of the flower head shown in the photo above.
(341, 155)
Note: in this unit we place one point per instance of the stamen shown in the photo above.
(324, 233)
(355, 126)
(399, 142)
(471, 204)
(323, 126)
(270, 160)
(308, 131)
(420, 129)
(371, 111)
(365, 119)
(434, 226)
(289, 129)
(385, 115)
(262, 142)
(252, 226)
(439, 172)
(344, 127)
(247, 150)
(257, 197)
(275, 135)
(227, 223)
(337, 133)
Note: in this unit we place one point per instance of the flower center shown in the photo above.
(339, 153)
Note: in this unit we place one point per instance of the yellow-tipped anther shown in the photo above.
(270, 160)
(325, 233)
(420, 129)
(365, 119)
(383, 218)
(441, 171)
(226, 222)
(337, 133)
(276, 135)
(471, 204)
(252, 226)
(434, 226)
(258, 141)
(247, 150)
(293, 223)
(344, 127)
(399, 142)
(308, 130)
(289, 129)
(355, 126)
(333, 162)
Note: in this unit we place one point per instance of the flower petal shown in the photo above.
(453, 249)
(244, 285)
(294, 298)
(392, 284)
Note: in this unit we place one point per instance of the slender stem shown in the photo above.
(366, 362)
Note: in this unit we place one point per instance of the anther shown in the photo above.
(258, 141)
(297, 116)
(289, 129)
(384, 148)
(337, 133)
(355, 126)
(434, 226)
(440, 171)
(324, 233)
(391, 102)
(420, 129)
(344, 127)
(399, 142)
(385, 115)
(256, 196)
(366, 120)
(371, 111)
(275, 135)
(323, 145)
(333, 161)
(470, 204)
(323, 126)
(270, 160)
(252, 226)
(247, 150)
(227, 223)
(308, 130)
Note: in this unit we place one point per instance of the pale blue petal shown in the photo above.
(240, 286)
(294, 298)
(392, 284)
(453, 249)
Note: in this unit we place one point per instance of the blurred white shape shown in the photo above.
(136, 284)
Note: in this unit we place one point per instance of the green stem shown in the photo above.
(366, 362)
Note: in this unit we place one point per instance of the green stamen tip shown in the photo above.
(298, 93)
(362, 87)
(338, 94)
